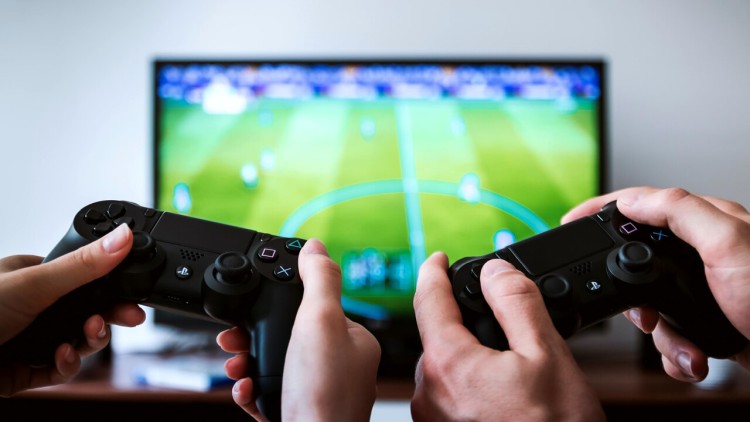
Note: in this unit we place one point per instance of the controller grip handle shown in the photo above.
(270, 331)
(61, 323)
(268, 398)
(710, 331)
(491, 334)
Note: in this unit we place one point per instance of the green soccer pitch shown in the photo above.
(402, 178)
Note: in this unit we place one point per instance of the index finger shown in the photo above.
(593, 205)
(438, 316)
(703, 222)
(518, 306)
(16, 262)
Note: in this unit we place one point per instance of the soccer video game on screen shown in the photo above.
(384, 162)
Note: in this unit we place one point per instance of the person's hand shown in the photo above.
(720, 231)
(331, 364)
(27, 287)
(458, 378)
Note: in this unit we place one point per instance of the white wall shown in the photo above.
(74, 82)
(74, 75)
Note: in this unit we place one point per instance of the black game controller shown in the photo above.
(185, 265)
(598, 266)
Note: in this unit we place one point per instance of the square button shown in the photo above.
(268, 254)
(628, 228)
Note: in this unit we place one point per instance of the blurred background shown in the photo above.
(75, 105)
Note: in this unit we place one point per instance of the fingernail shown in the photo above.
(684, 362)
(635, 317)
(70, 356)
(496, 266)
(314, 246)
(238, 398)
(102, 331)
(630, 199)
(116, 240)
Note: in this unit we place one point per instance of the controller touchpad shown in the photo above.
(564, 245)
(203, 234)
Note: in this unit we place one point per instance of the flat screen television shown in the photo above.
(385, 161)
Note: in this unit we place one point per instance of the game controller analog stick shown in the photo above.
(598, 266)
(554, 286)
(232, 267)
(186, 265)
(635, 257)
(144, 246)
(633, 262)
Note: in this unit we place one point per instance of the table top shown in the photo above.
(616, 382)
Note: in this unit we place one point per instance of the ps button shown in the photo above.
(93, 216)
(554, 286)
(268, 254)
(594, 286)
(115, 210)
(293, 246)
(102, 228)
(125, 220)
(283, 273)
(183, 272)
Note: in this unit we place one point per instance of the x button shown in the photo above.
(283, 273)
(660, 234)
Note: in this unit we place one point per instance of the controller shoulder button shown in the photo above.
(603, 217)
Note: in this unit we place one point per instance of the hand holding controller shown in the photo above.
(595, 267)
(196, 267)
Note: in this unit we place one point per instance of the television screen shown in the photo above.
(385, 161)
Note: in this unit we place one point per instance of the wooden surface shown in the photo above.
(624, 388)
